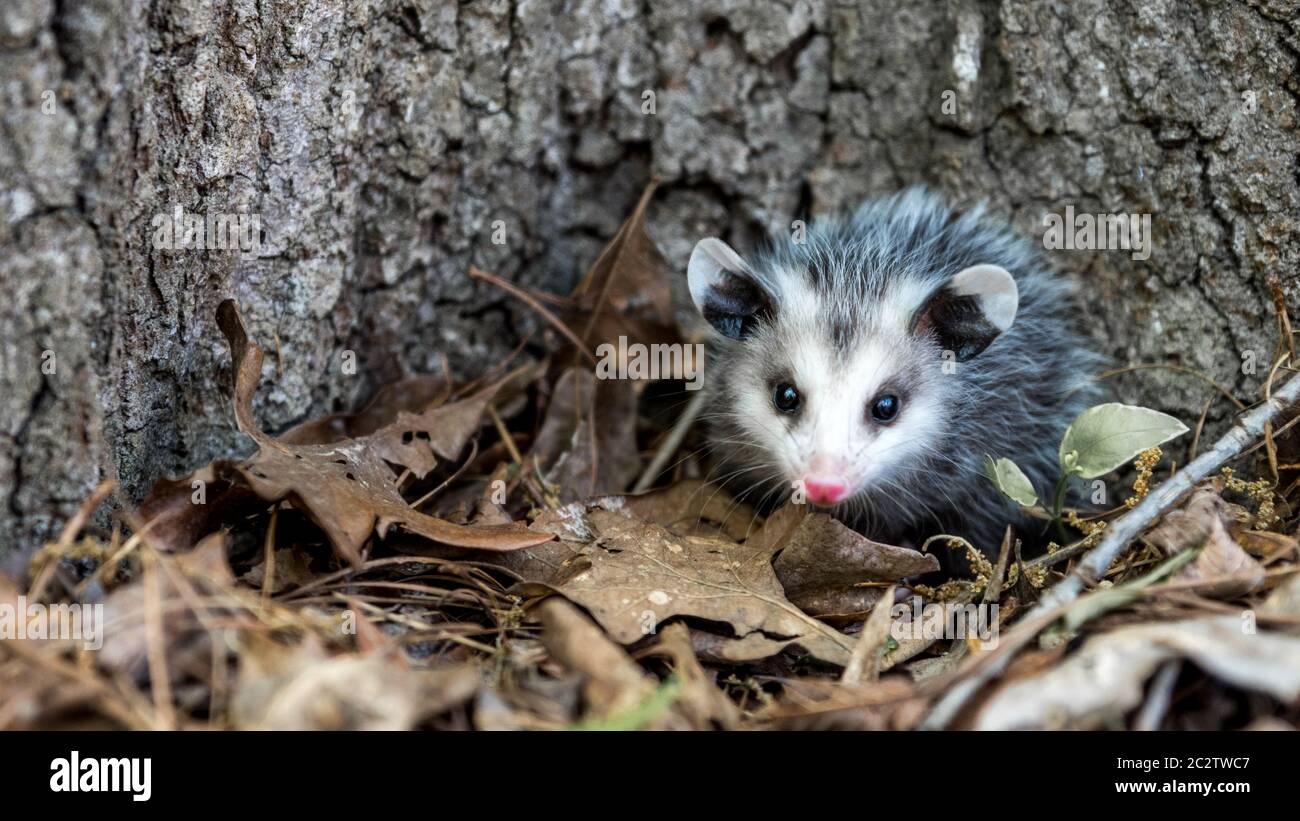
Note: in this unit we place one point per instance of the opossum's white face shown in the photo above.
(830, 399)
(832, 420)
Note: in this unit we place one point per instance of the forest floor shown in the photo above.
(468, 556)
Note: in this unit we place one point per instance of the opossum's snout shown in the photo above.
(825, 482)
(825, 492)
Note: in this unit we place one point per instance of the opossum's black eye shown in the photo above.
(786, 398)
(885, 408)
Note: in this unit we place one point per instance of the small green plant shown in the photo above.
(1011, 480)
(1099, 440)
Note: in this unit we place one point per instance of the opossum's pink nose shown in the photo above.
(824, 491)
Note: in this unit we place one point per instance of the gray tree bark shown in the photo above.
(381, 142)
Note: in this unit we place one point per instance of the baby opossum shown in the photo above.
(872, 366)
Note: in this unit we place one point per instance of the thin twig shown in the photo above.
(1270, 448)
(504, 433)
(994, 588)
(1200, 426)
(268, 572)
(536, 305)
(473, 454)
(1179, 369)
(1068, 551)
(79, 519)
(1283, 316)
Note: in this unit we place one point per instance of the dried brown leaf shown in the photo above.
(1284, 600)
(418, 440)
(633, 575)
(700, 700)
(412, 395)
(345, 487)
(292, 569)
(871, 644)
(587, 445)
(823, 564)
(693, 508)
(612, 682)
(1201, 522)
(182, 511)
(629, 277)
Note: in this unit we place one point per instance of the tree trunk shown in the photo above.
(385, 146)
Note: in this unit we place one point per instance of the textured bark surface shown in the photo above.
(380, 141)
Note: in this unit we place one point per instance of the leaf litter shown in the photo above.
(467, 555)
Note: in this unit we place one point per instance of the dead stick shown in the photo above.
(79, 519)
(531, 301)
(1125, 529)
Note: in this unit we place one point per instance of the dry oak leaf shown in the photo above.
(693, 507)
(416, 433)
(345, 487)
(634, 575)
(418, 440)
(418, 420)
(413, 394)
(1202, 522)
(587, 445)
(408, 423)
(823, 563)
(182, 511)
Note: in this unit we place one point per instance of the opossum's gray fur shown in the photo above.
(1014, 399)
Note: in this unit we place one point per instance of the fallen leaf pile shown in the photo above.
(467, 555)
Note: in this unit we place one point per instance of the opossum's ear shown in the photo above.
(724, 290)
(971, 310)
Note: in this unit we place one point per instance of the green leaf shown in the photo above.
(1011, 480)
(1106, 436)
